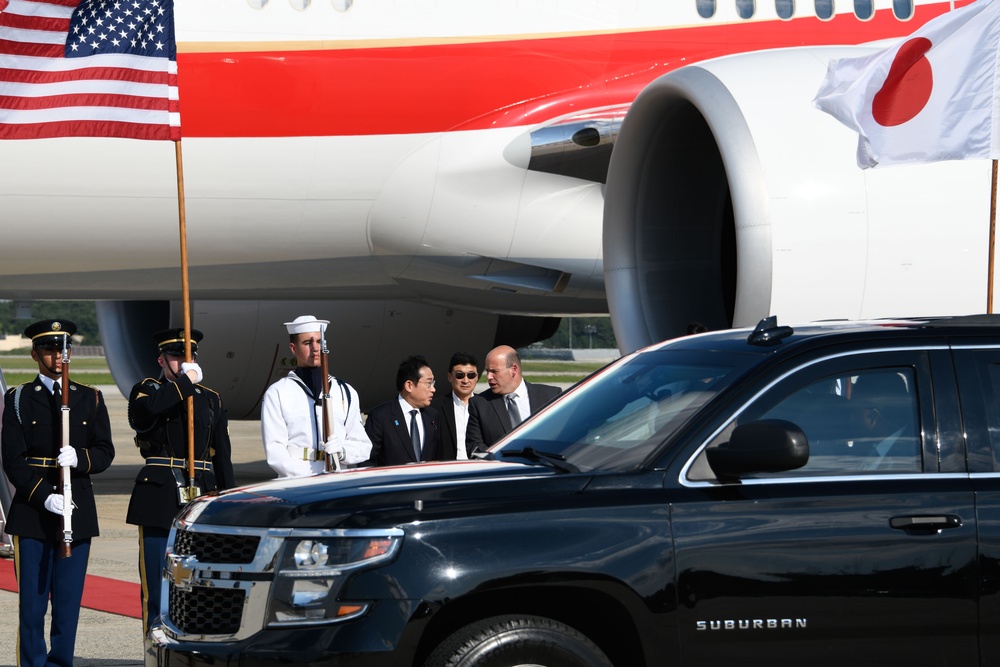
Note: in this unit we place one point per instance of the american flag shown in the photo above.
(88, 68)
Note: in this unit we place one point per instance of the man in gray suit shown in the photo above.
(510, 400)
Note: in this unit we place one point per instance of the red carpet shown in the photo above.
(99, 593)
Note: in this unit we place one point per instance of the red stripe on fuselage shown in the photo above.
(436, 88)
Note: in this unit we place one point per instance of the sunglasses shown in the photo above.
(460, 375)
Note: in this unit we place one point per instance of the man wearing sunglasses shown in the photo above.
(463, 373)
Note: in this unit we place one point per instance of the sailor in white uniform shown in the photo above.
(291, 417)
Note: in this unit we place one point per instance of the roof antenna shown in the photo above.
(768, 332)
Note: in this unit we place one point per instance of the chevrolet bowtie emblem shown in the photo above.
(180, 570)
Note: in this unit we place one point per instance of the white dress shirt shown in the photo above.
(461, 425)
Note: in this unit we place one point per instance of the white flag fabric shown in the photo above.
(931, 97)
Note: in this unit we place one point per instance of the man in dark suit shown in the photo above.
(33, 456)
(406, 429)
(157, 411)
(463, 373)
(510, 400)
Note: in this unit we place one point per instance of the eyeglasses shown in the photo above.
(429, 383)
(472, 375)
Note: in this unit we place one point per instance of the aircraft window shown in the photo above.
(785, 8)
(257, 4)
(863, 9)
(706, 8)
(745, 8)
(903, 9)
(300, 5)
(824, 9)
(342, 5)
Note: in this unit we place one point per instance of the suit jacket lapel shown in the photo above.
(447, 412)
(403, 430)
(430, 425)
(534, 402)
(500, 407)
(39, 393)
(75, 396)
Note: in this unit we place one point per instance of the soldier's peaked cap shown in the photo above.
(171, 341)
(50, 333)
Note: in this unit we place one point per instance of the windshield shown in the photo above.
(616, 419)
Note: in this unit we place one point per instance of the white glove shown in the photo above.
(55, 503)
(334, 447)
(67, 457)
(192, 366)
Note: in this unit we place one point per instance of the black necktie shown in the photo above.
(415, 434)
(57, 393)
(515, 414)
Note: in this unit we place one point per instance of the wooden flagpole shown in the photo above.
(993, 237)
(192, 489)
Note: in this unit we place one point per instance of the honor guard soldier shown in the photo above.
(291, 416)
(33, 456)
(157, 411)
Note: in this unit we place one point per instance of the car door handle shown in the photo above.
(925, 524)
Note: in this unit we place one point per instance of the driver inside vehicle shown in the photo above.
(884, 421)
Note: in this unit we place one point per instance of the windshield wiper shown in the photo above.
(557, 461)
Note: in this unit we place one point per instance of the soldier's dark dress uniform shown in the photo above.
(31, 441)
(157, 411)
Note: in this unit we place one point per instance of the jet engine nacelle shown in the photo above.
(730, 198)
(245, 347)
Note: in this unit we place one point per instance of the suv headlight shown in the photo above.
(313, 567)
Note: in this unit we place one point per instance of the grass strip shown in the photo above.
(93, 378)
(26, 363)
(580, 367)
(553, 379)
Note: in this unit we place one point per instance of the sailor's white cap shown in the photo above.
(306, 324)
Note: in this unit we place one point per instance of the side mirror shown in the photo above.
(769, 445)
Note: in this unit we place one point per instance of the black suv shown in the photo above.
(823, 495)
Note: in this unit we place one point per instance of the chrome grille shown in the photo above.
(212, 548)
(218, 580)
(207, 611)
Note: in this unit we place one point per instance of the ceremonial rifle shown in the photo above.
(65, 472)
(332, 462)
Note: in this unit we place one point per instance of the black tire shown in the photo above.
(517, 641)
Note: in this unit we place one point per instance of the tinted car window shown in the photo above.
(978, 372)
(857, 422)
(860, 424)
(615, 420)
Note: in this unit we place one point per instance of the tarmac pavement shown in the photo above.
(110, 639)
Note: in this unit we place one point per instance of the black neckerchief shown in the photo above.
(313, 379)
